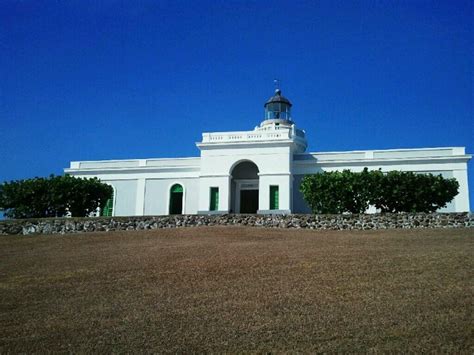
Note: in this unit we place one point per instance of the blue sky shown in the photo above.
(85, 80)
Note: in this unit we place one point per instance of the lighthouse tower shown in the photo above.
(278, 118)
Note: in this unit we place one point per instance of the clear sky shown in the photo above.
(87, 80)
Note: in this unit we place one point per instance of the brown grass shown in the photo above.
(238, 289)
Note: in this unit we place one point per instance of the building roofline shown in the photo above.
(383, 150)
(136, 159)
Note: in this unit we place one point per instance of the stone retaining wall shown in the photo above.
(335, 222)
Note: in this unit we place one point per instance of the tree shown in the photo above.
(395, 191)
(49, 197)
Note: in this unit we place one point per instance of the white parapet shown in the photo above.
(246, 136)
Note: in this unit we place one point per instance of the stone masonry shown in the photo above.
(320, 222)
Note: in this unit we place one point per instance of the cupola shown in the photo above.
(278, 107)
(277, 111)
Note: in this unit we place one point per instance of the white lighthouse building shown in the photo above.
(257, 171)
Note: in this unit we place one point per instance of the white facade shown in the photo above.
(254, 171)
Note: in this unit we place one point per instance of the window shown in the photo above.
(214, 205)
(274, 205)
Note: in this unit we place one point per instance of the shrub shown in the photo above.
(49, 197)
(395, 191)
(398, 191)
(337, 192)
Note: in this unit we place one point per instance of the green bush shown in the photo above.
(49, 197)
(395, 191)
(337, 192)
(398, 191)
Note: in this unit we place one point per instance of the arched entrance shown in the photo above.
(244, 188)
(176, 199)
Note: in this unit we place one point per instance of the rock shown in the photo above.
(323, 222)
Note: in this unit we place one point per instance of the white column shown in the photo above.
(263, 192)
(140, 201)
(461, 201)
(284, 184)
(226, 200)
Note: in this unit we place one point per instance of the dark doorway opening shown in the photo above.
(176, 203)
(176, 199)
(244, 187)
(248, 201)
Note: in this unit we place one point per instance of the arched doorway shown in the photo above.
(244, 188)
(176, 199)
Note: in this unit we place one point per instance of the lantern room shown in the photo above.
(278, 107)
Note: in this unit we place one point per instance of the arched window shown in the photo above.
(176, 199)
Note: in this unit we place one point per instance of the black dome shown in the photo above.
(278, 98)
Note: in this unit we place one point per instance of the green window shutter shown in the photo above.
(214, 206)
(176, 188)
(274, 198)
(108, 208)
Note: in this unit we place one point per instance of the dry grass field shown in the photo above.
(236, 289)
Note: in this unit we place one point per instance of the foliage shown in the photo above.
(395, 191)
(49, 197)
(398, 191)
(337, 192)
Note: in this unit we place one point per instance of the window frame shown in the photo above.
(214, 198)
(274, 203)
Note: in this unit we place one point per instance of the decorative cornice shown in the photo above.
(144, 169)
(415, 160)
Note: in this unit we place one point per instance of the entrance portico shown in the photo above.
(252, 169)
(244, 186)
